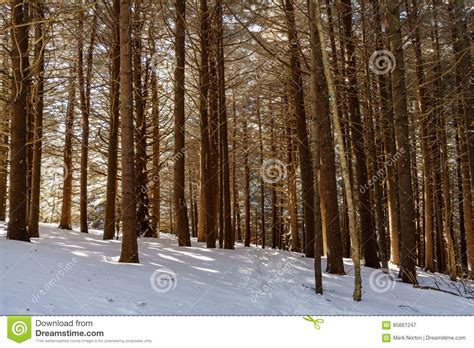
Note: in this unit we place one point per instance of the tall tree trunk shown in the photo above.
(17, 224)
(368, 236)
(213, 183)
(4, 139)
(112, 156)
(315, 54)
(370, 141)
(84, 93)
(156, 194)
(180, 208)
(143, 218)
(66, 205)
(227, 214)
(386, 116)
(327, 177)
(304, 152)
(407, 210)
(354, 235)
(207, 217)
(246, 184)
(262, 182)
(128, 207)
(275, 219)
(236, 231)
(38, 98)
(291, 181)
(426, 141)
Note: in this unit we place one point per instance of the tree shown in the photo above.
(84, 94)
(128, 207)
(407, 210)
(180, 208)
(305, 158)
(224, 147)
(112, 157)
(17, 219)
(368, 236)
(38, 100)
(66, 218)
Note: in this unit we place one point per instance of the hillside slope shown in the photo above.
(66, 272)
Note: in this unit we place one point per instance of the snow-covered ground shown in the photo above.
(66, 272)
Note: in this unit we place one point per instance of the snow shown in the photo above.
(70, 273)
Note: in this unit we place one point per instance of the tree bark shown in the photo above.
(318, 240)
(180, 208)
(128, 207)
(407, 210)
(368, 236)
(227, 213)
(38, 98)
(156, 194)
(246, 185)
(66, 206)
(84, 93)
(17, 219)
(354, 235)
(304, 152)
(112, 156)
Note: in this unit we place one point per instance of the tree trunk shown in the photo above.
(207, 217)
(292, 196)
(156, 193)
(262, 182)
(235, 192)
(304, 152)
(355, 244)
(4, 130)
(212, 198)
(407, 210)
(368, 236)
(84, 93)
(38, 98)
(227, 214)
(128, 207)
(315, 54)
(327, 177)
(275, 219)
(180, 208)
(246, 185)
(66, 206)
(143, 217)
(112, 159)
(17, 224)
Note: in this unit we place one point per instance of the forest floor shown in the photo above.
(68, 272)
